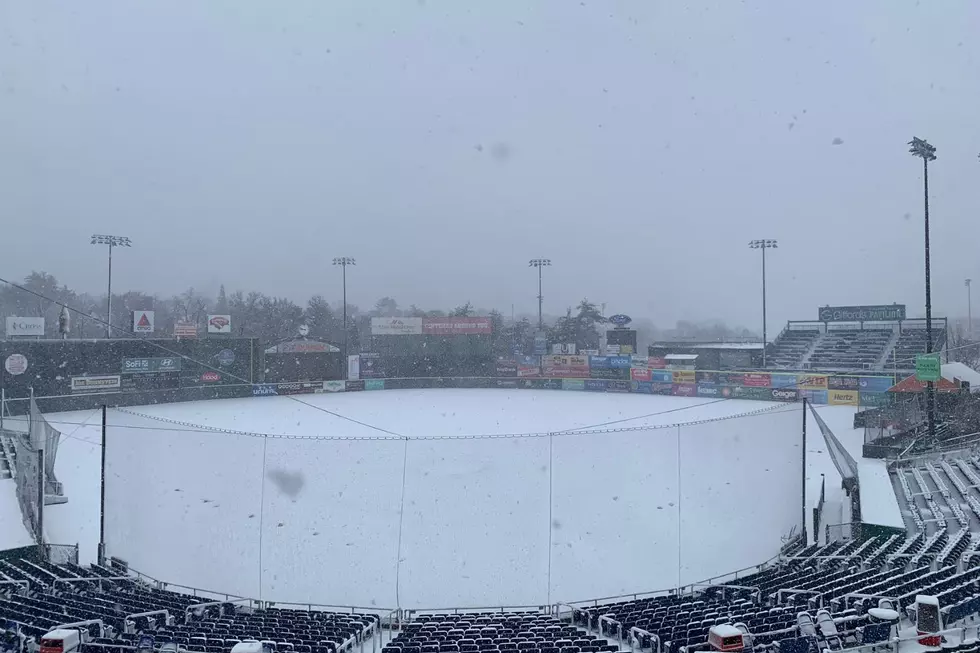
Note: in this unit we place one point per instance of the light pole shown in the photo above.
(763, 244)
(111, 241)
(343, 262)
(540, 263)
(926, 152)
(969, 309)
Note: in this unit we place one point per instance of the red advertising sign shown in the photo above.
(639, 374)
(452, 326)
(571, 367)
(685, 389)
(757, 380)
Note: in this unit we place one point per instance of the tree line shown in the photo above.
(273, 319)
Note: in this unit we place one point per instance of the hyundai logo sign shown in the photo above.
(620, 320)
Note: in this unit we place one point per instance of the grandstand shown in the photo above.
(849, 347)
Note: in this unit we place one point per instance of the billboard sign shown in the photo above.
(620, 320)
(456, 326)
(219, 324)
(354, 367)
(661, 376)
(643, 387)
(150, 365)
(25, 326)
(540, 343)
(15, 364)
(783, 380)
(814, 396)
(143, 321)
(661, 388)
(599, 362)
(595, 385)
(563, 349)
(872, 313)
(619, 386)
(185, 329)
(750, 392)
(396, 326)
(102, 383)
(928, 367)
(620, 362)
(874, 399)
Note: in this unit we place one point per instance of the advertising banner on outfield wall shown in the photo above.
(875, 383)
(874, 399)
(683, 376)
(374, 384)
(506, 367)
(334, 386)
(811, 381)
(814, 396)
(842, 382)
(662, 376)
(573, 384)
(528, 366)
(784, 394)
(264, 390)
(708, 390)
(595, 385)
(843, 398)
(565, 366)
(749, 392)
(454, 326)
(619, 386)
(641, 374)
(756, 380)
(782, 380)
(643, 387)
(730, 378)
(684, 390)
(615, 374)
(104, 383)
(657, 363)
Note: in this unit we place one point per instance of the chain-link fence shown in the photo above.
(26, 465)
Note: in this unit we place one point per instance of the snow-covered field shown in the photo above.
(486, 521)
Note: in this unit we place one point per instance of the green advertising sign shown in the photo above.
(150, 365)
(927, 367)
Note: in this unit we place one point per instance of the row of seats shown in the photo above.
(98, 593)
(790, 347)
(850, 350)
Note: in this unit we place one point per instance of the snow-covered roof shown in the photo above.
(680, 357)
(961, 372)
(709, 345)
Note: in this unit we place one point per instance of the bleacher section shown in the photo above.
(850, 350)
(913, 342)
(789, 349)
(68, 594)
(814, 345)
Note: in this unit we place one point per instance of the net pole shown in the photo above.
(101, 552)
(803, 478)
(40, 496)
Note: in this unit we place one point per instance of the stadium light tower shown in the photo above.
(763, 244)
(111, 241)
(343, 262)
(926, 152)
(969, 308)
(540, 263)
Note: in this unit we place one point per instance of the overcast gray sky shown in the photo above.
(638, 144)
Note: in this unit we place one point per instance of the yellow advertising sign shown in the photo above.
(843, 397)
(811, 382)
(683, 376)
